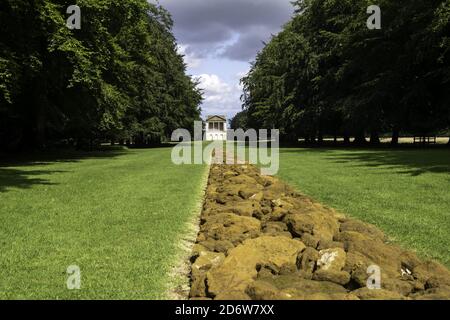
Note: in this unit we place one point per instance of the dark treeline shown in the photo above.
(118, 78)
(327, 74)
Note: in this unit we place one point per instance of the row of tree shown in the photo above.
(328, 74)
(118, 78)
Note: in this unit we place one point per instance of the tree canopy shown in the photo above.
(117, 78)
(326, 73)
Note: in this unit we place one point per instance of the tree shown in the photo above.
(118, 78)
(326, 73)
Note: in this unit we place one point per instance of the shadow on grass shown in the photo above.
(12, 176)
(22, 179)
(406, 161)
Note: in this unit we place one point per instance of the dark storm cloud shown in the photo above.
(211, 25)
(248, 44)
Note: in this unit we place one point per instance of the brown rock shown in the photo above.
(248, 192)
(307, 260)
(441, 293)
(196, 250)
(310, 240)
(239, 268)
(262, 290)
(230, 227)
(339, 277)
(229, 190)
(233, 295)
(278, 214)
(318, 224)
(364, 228)
(326, 244)
(401, 286)
(350, 236)
(300, 288)
(275, 190)
(275, 227)
(356, 260)
(229, 174)
(356, 264)
(257, 196)
(198, 285)
(432, 274)
(386, 256)
(247, 208)
(377, 294)
(206, 261)
(217, 245)
(243, 179)
(223, 246)
(282, 203)
(331, 259)
(331, 296)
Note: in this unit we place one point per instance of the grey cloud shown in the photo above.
(209, 24)
(210, 33)
(248, 44)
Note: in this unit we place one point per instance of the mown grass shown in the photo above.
(116, 215)
(404, 192)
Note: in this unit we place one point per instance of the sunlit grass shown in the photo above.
(404, 192)
(117, 216)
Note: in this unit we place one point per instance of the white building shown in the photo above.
(216, 128)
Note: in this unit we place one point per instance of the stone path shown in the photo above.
(260, 239)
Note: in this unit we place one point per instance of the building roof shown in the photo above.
(216, 118)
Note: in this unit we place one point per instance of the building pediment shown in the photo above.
(216, 118)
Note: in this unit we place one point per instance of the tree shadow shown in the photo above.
(405, 161)
(22, 179)
(412, 162)
(12, 176)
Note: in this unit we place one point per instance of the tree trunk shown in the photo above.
(374, 138)
(320, 138)
(360, 138)
(346, 139)
(41, 103)
(395, 136)
(40, 130)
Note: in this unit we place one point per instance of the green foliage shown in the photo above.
(119, 77)
(326, 73)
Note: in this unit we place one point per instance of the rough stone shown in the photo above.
(364, 228)
(310, 240)
(339, 277)
(331, 259)
(319, 224)
(307, 260)
(377, 294)
(239, 268)
(231, 227)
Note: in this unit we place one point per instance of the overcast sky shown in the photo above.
(220, 38)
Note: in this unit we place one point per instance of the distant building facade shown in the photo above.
(216, 128)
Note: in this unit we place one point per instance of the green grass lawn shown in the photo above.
(404, 192)
(117, 215)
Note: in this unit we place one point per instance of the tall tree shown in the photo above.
(119, 77)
